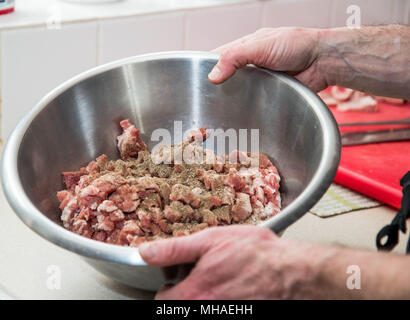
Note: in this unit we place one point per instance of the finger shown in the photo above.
(184, 290)
(231, 59)
(169, 292)
(164, 288)
(174, 251)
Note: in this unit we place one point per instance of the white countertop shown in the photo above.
(40, 12)
(25, 256)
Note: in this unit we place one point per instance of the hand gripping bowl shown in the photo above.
(79, 120)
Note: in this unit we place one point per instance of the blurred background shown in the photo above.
(45, 42)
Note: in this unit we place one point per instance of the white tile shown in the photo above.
(38, 12)
(373, 12)
(406, 13)
(34, 61)
(126, 37)
(301, 13)
(209, 28)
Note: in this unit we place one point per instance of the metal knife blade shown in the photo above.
(373, 123)
(366, 137)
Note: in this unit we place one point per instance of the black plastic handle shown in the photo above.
(391, 231)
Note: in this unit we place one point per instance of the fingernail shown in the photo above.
(214, 74)
(147, 250)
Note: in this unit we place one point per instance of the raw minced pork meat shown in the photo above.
(346, 99)
(145, 196)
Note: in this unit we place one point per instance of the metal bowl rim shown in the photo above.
(55, 233)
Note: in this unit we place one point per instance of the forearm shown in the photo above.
(375, 60)
(381, 275)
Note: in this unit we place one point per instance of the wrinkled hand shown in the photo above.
(233, 262)
(293, 50)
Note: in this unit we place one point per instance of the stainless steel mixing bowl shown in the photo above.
(79, 120)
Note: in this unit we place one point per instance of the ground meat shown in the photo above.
(346, 99)
(145, 196)
(129, 142)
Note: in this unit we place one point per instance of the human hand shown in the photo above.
(234, 262)
(293, 50)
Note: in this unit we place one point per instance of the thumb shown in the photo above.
(232, 58)
(174, 251)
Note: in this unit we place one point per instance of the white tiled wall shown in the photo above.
(406, 13)
(313, 13)
(35, 60)
(120, 38)
(210, 28)
(373, 12)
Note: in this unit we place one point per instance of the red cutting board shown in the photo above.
(374, 169)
